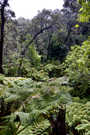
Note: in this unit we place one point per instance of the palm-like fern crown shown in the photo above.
(33, 103)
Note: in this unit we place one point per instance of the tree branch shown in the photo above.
(35, 36)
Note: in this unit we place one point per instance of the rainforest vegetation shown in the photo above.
(45, 71)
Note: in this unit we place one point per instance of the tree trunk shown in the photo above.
(75, 132)
(58, 126)
(3, 5)
(2, 38)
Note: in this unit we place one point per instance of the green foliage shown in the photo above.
(35, 58)
(78, 117)
(28, 103)
(1, 78)
(54, 70)
(38, 128)
(38, 75)
(84, 15)
(32, 53)
(12, 64)
(57, 49)
(32, 103)
(77, 66)
(23, 67)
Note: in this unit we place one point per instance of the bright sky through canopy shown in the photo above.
(29, 8)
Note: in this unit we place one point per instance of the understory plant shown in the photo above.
(30, 107)
(77, 66)
(78, 118)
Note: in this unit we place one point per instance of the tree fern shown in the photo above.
(78, 117)
(32, 104)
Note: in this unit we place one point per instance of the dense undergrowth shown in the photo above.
(28, 103)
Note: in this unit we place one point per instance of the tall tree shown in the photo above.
(3, 5)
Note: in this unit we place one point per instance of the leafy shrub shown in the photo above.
(10, 69)
(37, 75)
(54, 70)
(78, 117)
(24, 68)
(77, 66)
(35, 58)
(21, 66)
(84, 15)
